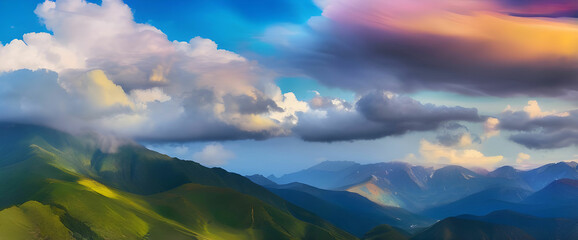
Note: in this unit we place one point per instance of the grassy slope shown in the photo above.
(32, 220)
(41, 166)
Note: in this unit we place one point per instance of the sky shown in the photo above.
(276, 86)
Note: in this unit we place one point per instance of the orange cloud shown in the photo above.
(479, 26)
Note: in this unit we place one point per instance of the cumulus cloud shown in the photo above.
(491, 128)
(439, 154)
(213, 155)
(102, 71)
(376, 115)
(472, 47)
(522, 158)
(537, 129)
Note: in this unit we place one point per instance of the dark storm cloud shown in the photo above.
(380, 107)
(377, 115)
(547, 140)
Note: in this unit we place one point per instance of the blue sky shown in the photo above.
(273, 87)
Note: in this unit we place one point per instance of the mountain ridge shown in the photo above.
(135, 193)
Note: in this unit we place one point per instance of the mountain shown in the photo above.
(386, 232)
(480, 203)
(60, 186)
(261, 180)
(458, 229)
(325, 175)
(557, 200)
(540, 177)
(418, 188)
(559, 192)
(538, 228)
(502, 224)
(346, 210)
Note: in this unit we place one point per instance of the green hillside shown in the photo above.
(58, 186)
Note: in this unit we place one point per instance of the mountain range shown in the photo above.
(59, 186)
(419, 188)
(54, 185)
(506, 203)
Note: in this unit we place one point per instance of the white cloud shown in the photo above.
(115, 75)
(534, 111)
(291, 106)
(213, 155)
(144, 96)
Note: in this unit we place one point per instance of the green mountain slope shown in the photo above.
(58, 186)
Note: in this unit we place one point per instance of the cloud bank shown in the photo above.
(376, 115)
(473, 47)
(537, 129)
(100, 70)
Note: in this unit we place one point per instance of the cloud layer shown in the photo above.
(474, 47)
(537, 129)
(99, 70)
(377, 114)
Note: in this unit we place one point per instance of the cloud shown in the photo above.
(322, 102)
(289, 106)
(537, 129)
(534, 111)
(376, 115)
(455, 134)
(439, 154)
(100, 70)
(522, 158)
(491, 128)
(471, 47)
(213, 155)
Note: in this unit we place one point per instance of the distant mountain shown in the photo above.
(540, 177)
(507, 172)
(389, 184)
(480, 203)
(418, 188)
(59, 186)
(346, 210)
(459, 229)
(559, 192)
(261, 180)
(557, 200)
(333, 166)
(326, 175)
